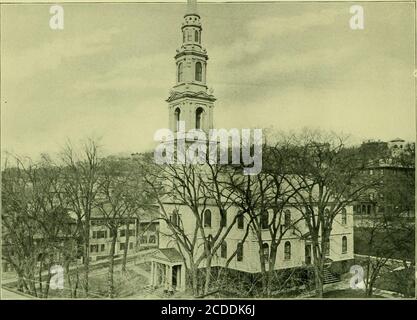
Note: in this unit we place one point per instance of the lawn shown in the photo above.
(348, 293)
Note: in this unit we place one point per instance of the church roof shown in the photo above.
(175, 95)
(170, 254)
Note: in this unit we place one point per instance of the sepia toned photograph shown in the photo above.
(208, 150)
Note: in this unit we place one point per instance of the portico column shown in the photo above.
(183, 284)
(152, 273)
(169, 275)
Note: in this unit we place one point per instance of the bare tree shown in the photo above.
(80, 181)
(327, 175)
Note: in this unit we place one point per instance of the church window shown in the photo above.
(239, 252)
(198, 71)
(198, 117)
(287, 250)
(177, 117)
(240, 222)
(344, 245)
(207, 219)
(264, 220)
(287, 218)
(196, 36)
(265, 252)
(180, 71)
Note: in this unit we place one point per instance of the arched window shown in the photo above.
(344, 244)
(180, 71)
(224, 250)
(344, 216)
(207, 219)
(265, 220)
(287, 250)
(198, 71)
(198, 117)
(239, 252)
(175, 218)
(287, 218)
(223, 218)
(196, 36)
(265, 252)
(177, 118)
(240, 222)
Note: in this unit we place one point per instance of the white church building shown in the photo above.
(191, 101)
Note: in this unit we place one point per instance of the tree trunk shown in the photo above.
(40, 279)
(111, 265)
(125, 248)
(318, 271)
(67, 271)
(271, 267)
(208, 274)
(194, 279)
(86, 258)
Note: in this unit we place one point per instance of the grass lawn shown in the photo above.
(348, 293)
(125, 285)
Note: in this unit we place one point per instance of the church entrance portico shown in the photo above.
(168, 270)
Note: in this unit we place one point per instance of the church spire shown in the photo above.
(190, 100)
(191, 7)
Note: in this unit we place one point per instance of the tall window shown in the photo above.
(264, 220)
(240, 222)
(344, 244)
(177, 118)
(175, 218)
(224, 250)
(207, 219)
(265, 252)
(196, 37)
(287, 218)
(344, 216)
(223, 218)
(198, 71)
(287, 250)
(198, 117)
(180, 71)
(239, 251)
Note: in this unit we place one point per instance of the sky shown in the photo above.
(271, 65)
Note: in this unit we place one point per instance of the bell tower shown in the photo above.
(190, 100)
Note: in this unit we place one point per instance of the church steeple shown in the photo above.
(189, 100)
(191, 6)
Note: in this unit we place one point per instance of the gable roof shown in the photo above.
(169, 254)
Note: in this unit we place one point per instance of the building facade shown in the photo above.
(191, 101)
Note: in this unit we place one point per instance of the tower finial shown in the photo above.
(191, 6)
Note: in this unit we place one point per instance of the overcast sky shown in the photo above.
(281, 65)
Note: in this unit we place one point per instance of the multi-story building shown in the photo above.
(191, 101)
(142, 232)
